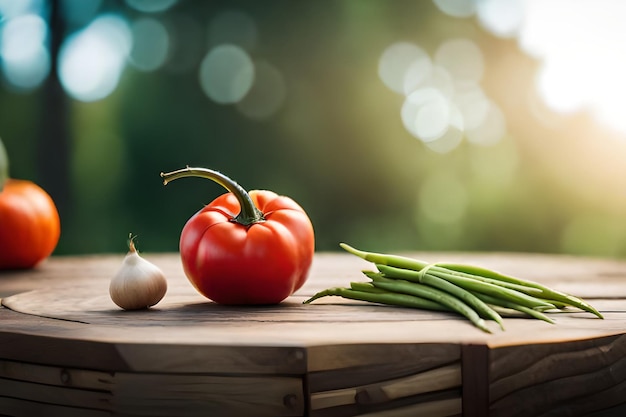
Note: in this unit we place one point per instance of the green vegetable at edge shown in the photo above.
(4, 165)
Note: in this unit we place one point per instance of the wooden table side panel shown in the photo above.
(438, 404)
(55, 395)
(56, 376)
(602, 388)
(214, 359)
(346, 357)
(82, 354)
(515, 358)
(26, 408)
(183, 395)
(551, 362)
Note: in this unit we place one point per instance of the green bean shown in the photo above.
(472, 291)
(556, 304)
(535, 292)
(434, 294)
(384, 259)
(470, 285)
(417, 265)
(387, 298)
(507, 304)
(366, 287)
(483, 309)
(548, 293)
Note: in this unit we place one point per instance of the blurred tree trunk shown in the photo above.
(53, 146)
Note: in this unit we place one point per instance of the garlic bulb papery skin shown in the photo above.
(138, 284)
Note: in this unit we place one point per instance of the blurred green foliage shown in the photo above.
(337, 144)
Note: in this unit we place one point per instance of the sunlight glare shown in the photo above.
(503, 18)
(578, 44)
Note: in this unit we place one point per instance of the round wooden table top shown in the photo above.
(60, 316)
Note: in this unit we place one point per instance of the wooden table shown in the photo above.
(67, 350)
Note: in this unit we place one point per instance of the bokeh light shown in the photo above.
(80, 12)
(266, 95)
(503, 18)
(453, 135)
(226, 74)
(491, 130)
(151, 6)
(91, 61)
(150, 44)
(444, 99)
(473, 104)
(463, 61)
(400, 62)
(425, 114)
(10, 9)
(24, 56)
(457, 8)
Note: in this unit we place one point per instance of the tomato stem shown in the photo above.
(249, 213)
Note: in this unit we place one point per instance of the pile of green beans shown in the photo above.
(474, 292)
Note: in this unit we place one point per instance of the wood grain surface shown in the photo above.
(66, 349)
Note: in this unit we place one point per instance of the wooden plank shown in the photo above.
(342, 366)
(400, 405)
(20, 346)
(214, 359)
(443, 408)
(600, 389)
(56, 376)
(155, 395)
(535, 364)
(152, 394)
(55, 395)
(25, 408)
(437, 379)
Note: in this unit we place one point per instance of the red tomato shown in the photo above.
(234, 261)
(29, 225)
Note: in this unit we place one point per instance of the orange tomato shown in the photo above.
(29, 225)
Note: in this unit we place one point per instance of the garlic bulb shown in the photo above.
(138, 284)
